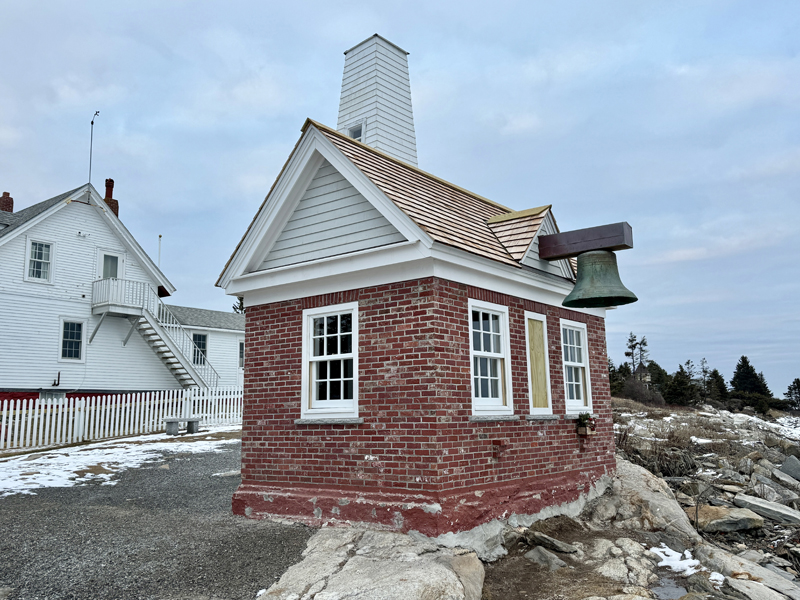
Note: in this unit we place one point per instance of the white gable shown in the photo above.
(332, 218)
(531, 258)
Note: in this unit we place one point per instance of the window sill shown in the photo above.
(320, 421)
(491, 418)
(542, 417)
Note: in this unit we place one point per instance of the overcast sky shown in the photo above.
(678, 117)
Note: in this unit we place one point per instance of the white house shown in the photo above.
(221, 335)
(82, 305)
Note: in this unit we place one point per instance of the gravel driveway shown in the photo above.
(163, 531)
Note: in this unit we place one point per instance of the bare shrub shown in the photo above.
(636, 390)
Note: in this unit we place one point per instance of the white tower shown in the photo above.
(375, 107)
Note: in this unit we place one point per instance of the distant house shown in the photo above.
(408, 360)
(83, 310)
(642, 373)
(219, 338)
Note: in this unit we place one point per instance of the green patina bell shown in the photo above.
(598, 284)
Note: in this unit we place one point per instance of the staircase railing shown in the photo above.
(184, 342)
(139, 294)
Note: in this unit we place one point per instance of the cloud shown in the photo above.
(736, 84)
(573, 63)
(9, 135)
(520, 124)
(715, 246)
(786, 162)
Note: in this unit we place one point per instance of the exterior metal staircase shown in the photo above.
(138, 302)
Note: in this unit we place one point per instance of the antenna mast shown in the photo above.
(91, 143)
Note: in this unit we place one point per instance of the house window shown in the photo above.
(330, 362)
(241, 355)
(489, 358)
(72, 340)
(576, 366)
(110, 266)
(40, 261)
(199, 350)
(538, 364)
(356, 132)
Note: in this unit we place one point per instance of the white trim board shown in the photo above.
(289, 189)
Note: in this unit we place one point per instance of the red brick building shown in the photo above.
(408, 362)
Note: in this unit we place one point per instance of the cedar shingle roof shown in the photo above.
(446, 212)
(516, 230)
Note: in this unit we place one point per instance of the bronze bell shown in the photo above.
(598, 284)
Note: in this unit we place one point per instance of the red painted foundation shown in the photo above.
(417, 462)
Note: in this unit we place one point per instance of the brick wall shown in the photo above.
(416, 455)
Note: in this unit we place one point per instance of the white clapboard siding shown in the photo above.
(376, 92)
(31, 322)
(222, 351)
(531, 258)
(37, 422)
(332, 218)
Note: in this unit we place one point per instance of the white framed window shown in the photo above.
(72, 340)
(200, 348)
(39, 261)
(110, 264)
(330, 362)
(490, 359)
(241, 354)
(356, 132)
(541, 402)
(575, 355)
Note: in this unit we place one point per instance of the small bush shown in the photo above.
(638, 391)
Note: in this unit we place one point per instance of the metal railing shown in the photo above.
(139, 295)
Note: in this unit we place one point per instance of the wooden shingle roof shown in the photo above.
(446, 212)
(516, 230)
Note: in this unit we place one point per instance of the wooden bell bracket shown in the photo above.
(617, 236)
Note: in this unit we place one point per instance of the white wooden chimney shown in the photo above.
(375, 107)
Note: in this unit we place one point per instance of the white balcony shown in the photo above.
(122, 297)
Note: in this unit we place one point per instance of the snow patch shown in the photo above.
(682, 564)
(97, 462)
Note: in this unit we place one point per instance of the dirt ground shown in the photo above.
(514, 577)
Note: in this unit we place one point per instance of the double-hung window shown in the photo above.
(72, 342)
(490, 359)
(576, 366)
(40, 261)
(199, 348)
(330, 362)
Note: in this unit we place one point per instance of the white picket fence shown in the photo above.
(43, 422)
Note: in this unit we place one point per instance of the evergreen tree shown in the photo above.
(763, 384)
(681, 389)
(632, 344)
(238, 307)
(718, 391)
(793, 394)
(745, 379)
(624, 371)
(689, 366)
(659, 378)
(643, 352)
(615, 381)
(704, 375)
